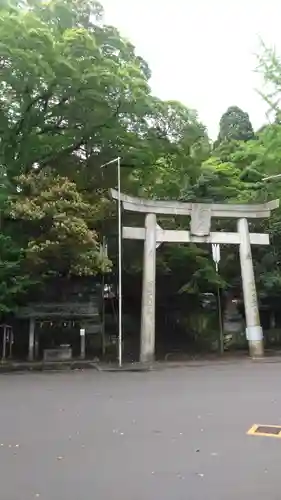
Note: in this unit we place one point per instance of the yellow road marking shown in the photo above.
(254, 430)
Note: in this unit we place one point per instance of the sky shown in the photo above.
(202, 53)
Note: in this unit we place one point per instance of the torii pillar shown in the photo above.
(147, 340)
(200, 232)
(253, 330)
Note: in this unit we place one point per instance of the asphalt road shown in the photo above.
(177, 434)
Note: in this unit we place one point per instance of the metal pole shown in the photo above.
(119, 264)
(103, 313)
(220, 321)
(4, 344)
(216, 259)
(119, 256)
(11, 340)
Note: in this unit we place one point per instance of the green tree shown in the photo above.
(73, 95)
(14, 282)
(176, 175)
(249, 162)
(57, 226)
(68, 84)
(235, 125)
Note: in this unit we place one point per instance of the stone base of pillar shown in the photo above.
(147, 358)
(256, 348)
(255, 339)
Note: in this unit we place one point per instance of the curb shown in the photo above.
(132, 367)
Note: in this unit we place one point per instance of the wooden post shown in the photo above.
(147, 343)
(31, 339)
(253, 330)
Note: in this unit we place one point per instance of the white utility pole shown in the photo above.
(118, 161)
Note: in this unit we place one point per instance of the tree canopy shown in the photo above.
(75, 95)
(235, 125)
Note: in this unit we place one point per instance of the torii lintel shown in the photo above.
(170, 207)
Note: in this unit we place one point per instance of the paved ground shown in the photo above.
(177, 434)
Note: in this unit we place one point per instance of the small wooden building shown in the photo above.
(64, 322)
(55, 329)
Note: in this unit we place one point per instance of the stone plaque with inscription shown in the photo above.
(200, 219)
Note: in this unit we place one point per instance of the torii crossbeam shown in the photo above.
(200, 232)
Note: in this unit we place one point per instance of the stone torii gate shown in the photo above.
(200, 232)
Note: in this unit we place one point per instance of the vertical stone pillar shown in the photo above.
(31, 339)
(36, 346)
(147, 344)
(253, 330)
(82, 343)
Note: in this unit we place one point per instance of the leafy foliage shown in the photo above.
(14, 282)
(59, 225)
(73, 96)
(235, 125)
(67, 85)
